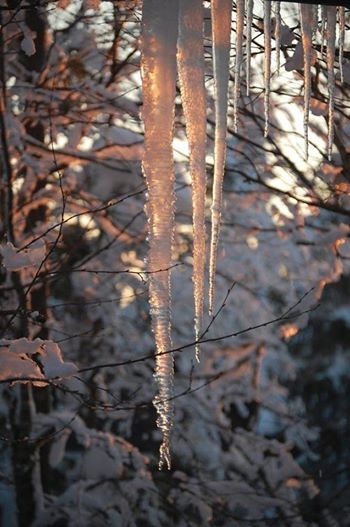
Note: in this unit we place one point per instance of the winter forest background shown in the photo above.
(261, 434)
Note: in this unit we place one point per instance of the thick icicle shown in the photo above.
(267, 63)
(341, 14)
(159, 37)
(221, 30)
(238, 58)
(191, 72)
(278, 34)
(249, 21)
(307, 18)
(331, 13)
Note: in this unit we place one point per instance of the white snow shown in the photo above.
(15, 261)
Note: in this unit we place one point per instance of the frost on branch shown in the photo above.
(37, 359)
(191, 74)
(159, 38)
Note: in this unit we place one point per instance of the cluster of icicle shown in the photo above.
(172, 43)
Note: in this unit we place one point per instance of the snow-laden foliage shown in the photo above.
(17, 360)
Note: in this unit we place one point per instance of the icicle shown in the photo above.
(307, 18)
(238, 59)
(323, 27)
(315, 21)
(278, 34)
(191, 73)
(249, 21)
(159, 37)
(267, 63)
(221, 30)
(341, 13)
(331, 13)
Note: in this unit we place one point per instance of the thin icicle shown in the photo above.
(278, 34)
(331, 13)
(238, 58)
(221, 31)
(307, 18)
(249, 21)
(267, 63)
(341, 14)
(323, 27)
(315, 21)
(159, 37)
(191, 72)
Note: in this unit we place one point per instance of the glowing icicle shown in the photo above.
(238, 59)
(278, 34)
(307, 19)
(249, 21)
(331, 13)
(341, 14)
(159, 37)
(221, 30)
(191, 72)
(267, 63)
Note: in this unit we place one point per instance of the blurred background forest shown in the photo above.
(262, 427)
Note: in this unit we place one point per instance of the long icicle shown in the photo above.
(221, 32)
(159, 37)
(267, 63)
(341, 14)
(277, 6)
(323, 27)
(331, 13)
(191, 73)
(238, 59)
(307, 19)
(249, 21)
